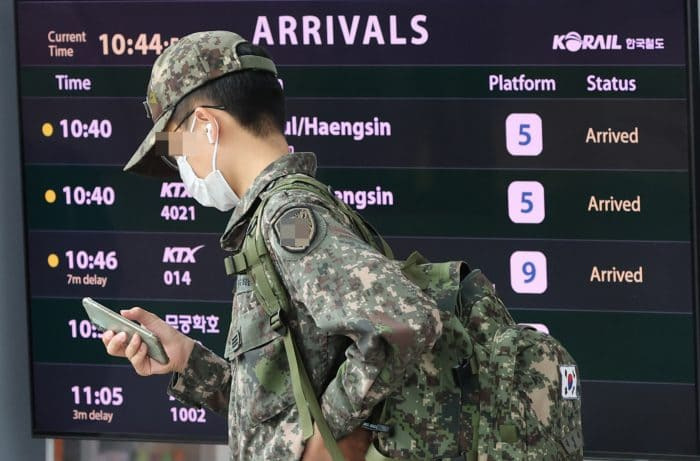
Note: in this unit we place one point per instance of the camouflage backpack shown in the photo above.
(489, 390)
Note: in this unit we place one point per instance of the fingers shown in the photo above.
(115, 343)
(139, 314)
(140, 360)
(136, 351)
(133, 347)
(107, 337)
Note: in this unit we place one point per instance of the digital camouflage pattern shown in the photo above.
(503, 399)
(358, 322)
(487, 389)
(459, 379)
(496, 367)
(523, 414)
(429, 415)
(184, 66)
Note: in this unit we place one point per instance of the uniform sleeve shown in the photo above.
(351, 289)
(206, 381)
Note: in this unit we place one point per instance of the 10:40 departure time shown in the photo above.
(98, 195)
(76, 128)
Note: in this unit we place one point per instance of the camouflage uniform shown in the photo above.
(360, 324)
(361, 327)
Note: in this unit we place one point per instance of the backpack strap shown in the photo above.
(254, 259)
(306, 400)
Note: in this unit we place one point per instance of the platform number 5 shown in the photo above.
(524, 134)
(526, 202)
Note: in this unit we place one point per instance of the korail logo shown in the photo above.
(573, 42)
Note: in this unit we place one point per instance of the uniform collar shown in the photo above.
(297, 162)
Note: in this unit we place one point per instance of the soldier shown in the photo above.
(358, 322)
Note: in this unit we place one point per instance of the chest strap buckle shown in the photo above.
(236, 264)
(276, 321)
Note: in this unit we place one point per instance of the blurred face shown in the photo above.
(188, 137)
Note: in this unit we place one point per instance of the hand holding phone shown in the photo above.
(177, 346)
(107, 319)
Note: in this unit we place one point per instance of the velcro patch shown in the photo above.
(243, 284)
(295, 229)
(569, 382)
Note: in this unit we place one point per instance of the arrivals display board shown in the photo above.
(548, 143)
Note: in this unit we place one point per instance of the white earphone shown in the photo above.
(207, 128)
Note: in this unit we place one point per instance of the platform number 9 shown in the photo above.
(528, 272)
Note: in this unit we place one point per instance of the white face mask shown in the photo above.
(212, 190)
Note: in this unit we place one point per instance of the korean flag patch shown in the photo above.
(569, 382)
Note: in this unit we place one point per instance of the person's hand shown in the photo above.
(353, 446)
(176, 345)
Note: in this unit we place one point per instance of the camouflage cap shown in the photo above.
(182, 67)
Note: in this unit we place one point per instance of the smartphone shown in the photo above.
(106, 319)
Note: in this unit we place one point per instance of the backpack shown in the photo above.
(488, 390)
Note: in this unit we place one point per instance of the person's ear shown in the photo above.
(211, 125)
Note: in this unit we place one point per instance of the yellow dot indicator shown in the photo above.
(53, 260)
(50, 196)
(47, 129)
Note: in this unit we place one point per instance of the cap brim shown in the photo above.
(145, 161)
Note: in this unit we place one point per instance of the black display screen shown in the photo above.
(548, 143)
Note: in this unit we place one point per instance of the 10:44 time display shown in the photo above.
(118, 44)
